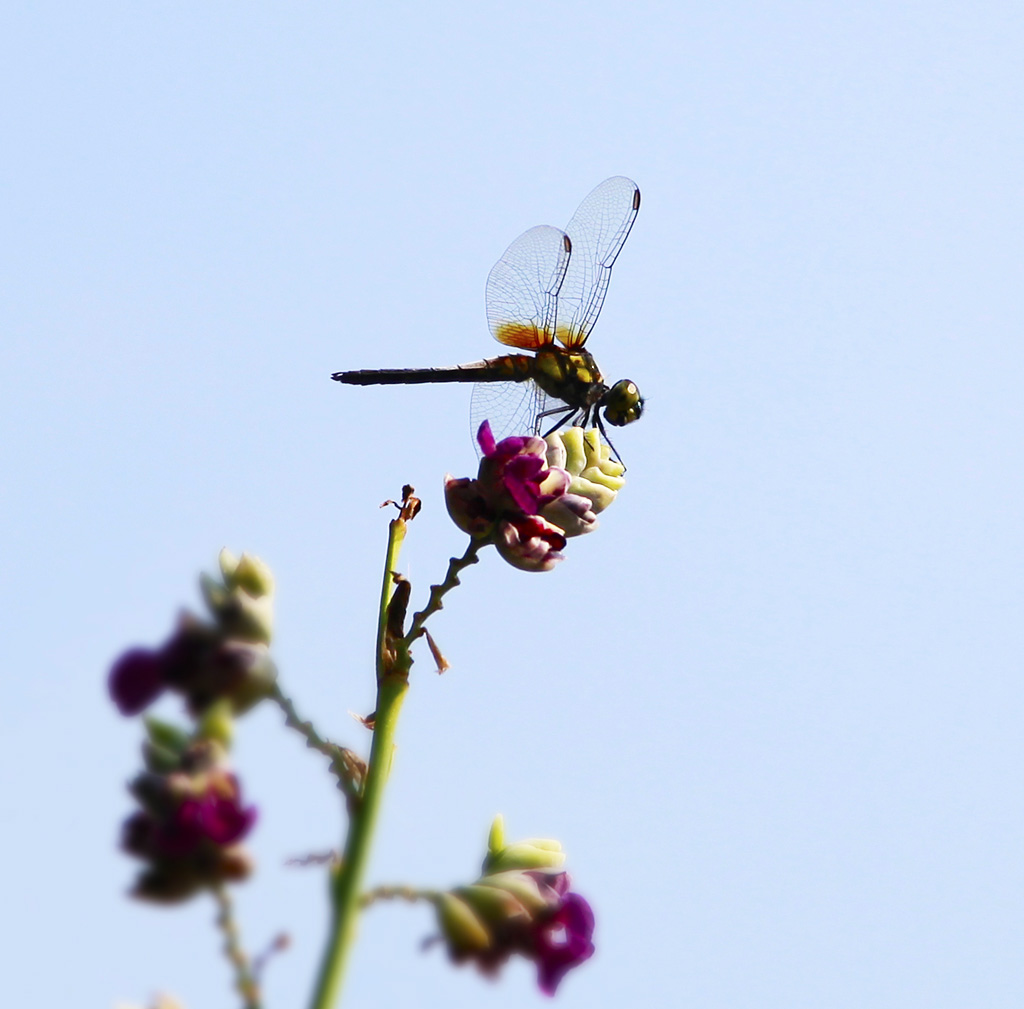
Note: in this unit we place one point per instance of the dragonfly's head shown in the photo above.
(623, 403)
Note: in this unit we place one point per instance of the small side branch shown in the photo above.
(438, 592)
(245, 983)
(346, 765)
(407, 893)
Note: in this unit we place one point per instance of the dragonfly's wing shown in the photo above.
(522, 289)
(598, 230)
(512, 408)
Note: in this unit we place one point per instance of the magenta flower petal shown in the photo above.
(563, 941)
(137, 679)
(522, 482)
(485, 438)
(225, 821)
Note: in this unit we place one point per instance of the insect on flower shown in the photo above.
(544, 296)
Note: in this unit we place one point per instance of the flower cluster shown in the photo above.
(204, 661)
(520, 904)
(519, 502)
(191, 819)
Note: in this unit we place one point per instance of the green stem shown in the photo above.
(392, 684)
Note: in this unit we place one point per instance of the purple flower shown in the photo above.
(189, 828)
(519, 502)
(223, 820)
(563, 941)
(198, 662)
(205, 661)
(136, 680)
(531, 913)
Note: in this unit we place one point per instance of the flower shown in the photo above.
(519, 502)
(526, 912)
(197, 663)
(206, 661)
(190, 824)
(521, 904)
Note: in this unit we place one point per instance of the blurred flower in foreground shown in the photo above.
(519, 905)
(519, 502)
(206, 661)
(192, 817)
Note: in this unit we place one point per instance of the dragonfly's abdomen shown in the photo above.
(510, 368)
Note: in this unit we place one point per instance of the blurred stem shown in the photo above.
(245, 983)
(344, 763)
(400, 892)
(392, 684)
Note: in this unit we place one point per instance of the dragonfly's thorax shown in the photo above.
(569, 375)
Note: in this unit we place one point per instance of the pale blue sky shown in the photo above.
(772, 708)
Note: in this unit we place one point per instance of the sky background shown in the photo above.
(772, 708)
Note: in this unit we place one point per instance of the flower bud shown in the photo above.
(492, 903)
(166, 735)
(461, 927)
(246, 617)
(164, 745)
(587, 459)
(496, 836)
(525, 887)
(243, 605)
(535, 853)
(216, 722)
(532, 853)
(466, 506)
(250, 574)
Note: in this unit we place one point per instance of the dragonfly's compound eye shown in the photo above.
(623, 404)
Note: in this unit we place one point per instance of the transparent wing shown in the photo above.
(522, 289)
(597, 231)
(511, 407)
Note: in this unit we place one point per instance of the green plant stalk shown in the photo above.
(392, 685)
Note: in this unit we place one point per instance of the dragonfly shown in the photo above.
(544, 296)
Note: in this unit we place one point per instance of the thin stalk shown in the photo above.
(345, 765)
(438, 592)
(399, 892)
(245, 982)
(392, 685)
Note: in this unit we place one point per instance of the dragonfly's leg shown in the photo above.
(563, 414)
(604, 434)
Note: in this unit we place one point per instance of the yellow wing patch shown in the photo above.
(522, 335)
